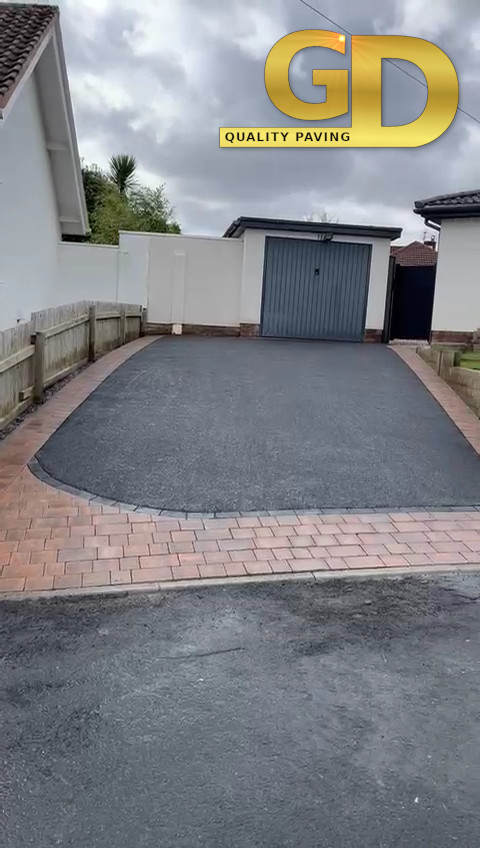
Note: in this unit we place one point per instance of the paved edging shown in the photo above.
(38, 471)
(308, 577)
(457, 410)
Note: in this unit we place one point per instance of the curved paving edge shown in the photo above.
(52, 539)
(38, 471)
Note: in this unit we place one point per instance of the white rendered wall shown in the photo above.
(252, 279)
(86, 272)
(457, 288)
(133, 265)
(29, 229)
(194, 280)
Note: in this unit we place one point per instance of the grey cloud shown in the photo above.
(210, 186)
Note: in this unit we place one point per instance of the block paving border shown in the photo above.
(53, 539)
(462, 416)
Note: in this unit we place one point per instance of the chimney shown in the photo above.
(430, 242)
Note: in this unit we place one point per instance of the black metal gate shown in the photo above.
(412, 302)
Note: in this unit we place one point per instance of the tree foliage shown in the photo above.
(120, 203)
(121, 172)
(323, 216)
(111, 215)
(94, 182)
(153, 211)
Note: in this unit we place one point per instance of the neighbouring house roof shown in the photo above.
(239, 226)
(31, 44)
(463, 204)
(22, 30)
(414, 254)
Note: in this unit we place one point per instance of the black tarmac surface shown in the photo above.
(334, 715)
(203, 425)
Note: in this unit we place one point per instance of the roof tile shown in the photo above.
(22, 28)
(414, 254)
(461, 198)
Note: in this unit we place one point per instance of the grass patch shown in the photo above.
(470, 360)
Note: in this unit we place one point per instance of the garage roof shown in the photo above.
(239, 226)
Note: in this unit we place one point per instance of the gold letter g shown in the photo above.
(277, 80)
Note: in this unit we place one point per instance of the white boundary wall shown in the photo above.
(86, 271)
(195, 280)
(219, 282)
(457, 288)
(191, 280)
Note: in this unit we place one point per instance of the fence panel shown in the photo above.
(16, 371)
(66, 330)
(65, 339)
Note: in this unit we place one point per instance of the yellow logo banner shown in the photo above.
(367, 129)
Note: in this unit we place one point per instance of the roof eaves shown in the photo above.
(438, 213)
(60, 54)
(241, 224)
(443, 198)
(449, 206)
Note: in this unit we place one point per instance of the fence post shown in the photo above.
(143, 322)
(123, 325)
(92, 333)
(39, 367)
(446, 361)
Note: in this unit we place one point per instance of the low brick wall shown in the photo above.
(244, 330)
(250, 330)
(431, 356)
(451, 337)
(464, 382)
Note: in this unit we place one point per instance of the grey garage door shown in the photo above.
(315, 289)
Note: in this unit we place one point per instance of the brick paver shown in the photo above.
(51, 540)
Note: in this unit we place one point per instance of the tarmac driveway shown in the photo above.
(283, 716)
(220, 425)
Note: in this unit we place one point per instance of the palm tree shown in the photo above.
(122, 172)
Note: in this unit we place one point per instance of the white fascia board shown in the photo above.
(72, 135)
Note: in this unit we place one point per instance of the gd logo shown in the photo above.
(367, 129)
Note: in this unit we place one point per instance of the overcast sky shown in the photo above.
(156, 78)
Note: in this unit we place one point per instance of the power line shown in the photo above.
(390, 61)
(325, 16)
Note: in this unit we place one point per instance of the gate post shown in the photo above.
(123, 325)
(387, 322)
(39, 367)
(92, 333)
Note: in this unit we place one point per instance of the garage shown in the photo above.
(266, 277)
(313, 279)
(315, 289)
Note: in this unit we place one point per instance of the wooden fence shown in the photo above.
(37, 354)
